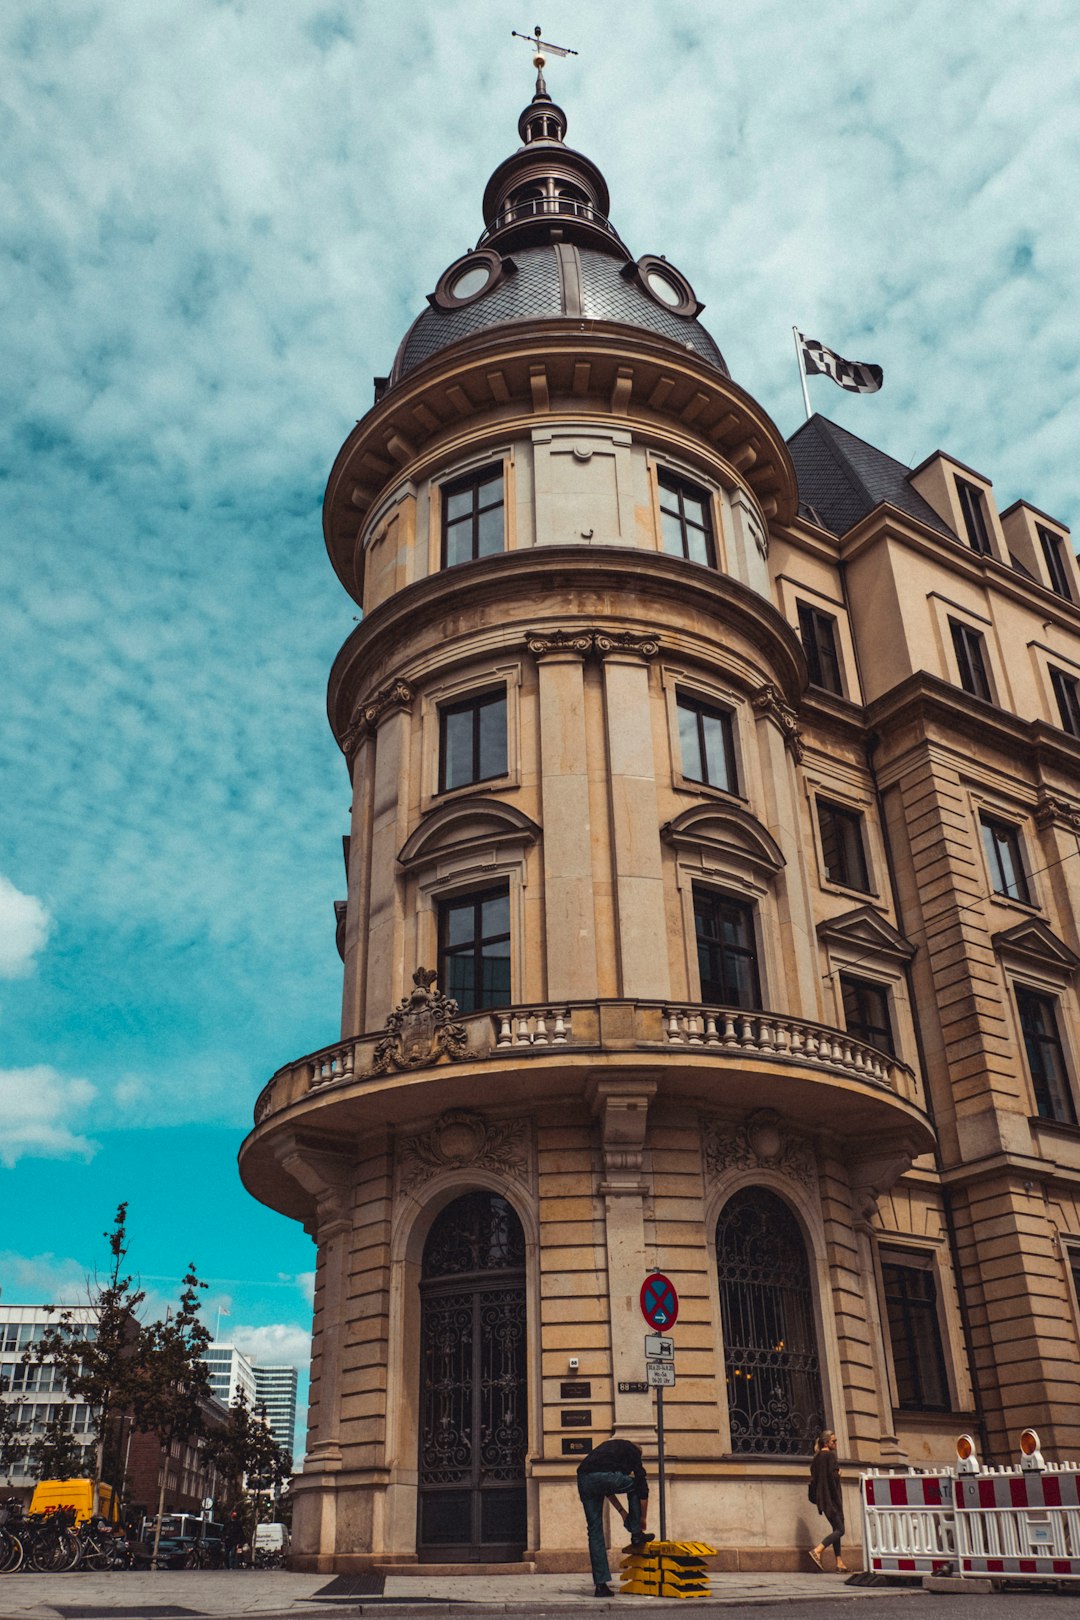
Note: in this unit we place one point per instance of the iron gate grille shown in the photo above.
(770, 1345)
(473, 1383)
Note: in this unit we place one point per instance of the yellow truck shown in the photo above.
(52, 1494)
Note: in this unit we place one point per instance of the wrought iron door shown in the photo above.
(770, 1344)
(473, 1425)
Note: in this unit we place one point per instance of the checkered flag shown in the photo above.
(854, 375)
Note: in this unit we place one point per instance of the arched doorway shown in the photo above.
(473, 1425)
(771, 1361)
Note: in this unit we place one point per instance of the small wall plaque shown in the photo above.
(581, 1419)
(634, 1387)
(572, 1447)
(575, 1392)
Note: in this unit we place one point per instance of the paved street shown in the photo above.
(190, 1596)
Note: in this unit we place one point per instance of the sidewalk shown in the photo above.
(177, 1595)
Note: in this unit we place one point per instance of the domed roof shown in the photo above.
(549, 281)
(549, 252)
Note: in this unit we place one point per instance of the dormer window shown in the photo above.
(974, 515)
(1054, 557)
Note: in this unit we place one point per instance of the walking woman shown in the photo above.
(827, 1497)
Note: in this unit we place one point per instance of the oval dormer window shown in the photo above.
(666, 285)
(469, 278)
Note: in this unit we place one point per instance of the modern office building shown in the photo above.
(275, 1395)
(712, 906)
(37, 1390)
(231, 1374)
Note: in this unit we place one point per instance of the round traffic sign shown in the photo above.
(659, 1301)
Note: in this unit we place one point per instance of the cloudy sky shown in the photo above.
(217, 218)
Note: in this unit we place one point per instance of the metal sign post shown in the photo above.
(661, 1479)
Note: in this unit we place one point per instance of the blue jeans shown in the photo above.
(593, 1488)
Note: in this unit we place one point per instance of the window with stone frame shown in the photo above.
(1004, 857)
(706, 743)
(1045, 1055)
(726, 949)
(1053, 550)
(866, 1012)
(472, 740)
(1067, 692)
(968, 645)
(686, 526)
(473, 516)
(973, 509)
(843, 847)
(911, 1308)
(474, 948)
(817, 632)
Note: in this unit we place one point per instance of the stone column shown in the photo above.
(638, 862)
(621, 1105)
(568, 868)
(387, 716)
(329, 1179)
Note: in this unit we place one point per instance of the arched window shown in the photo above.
(770, 1346)
(473, 1383)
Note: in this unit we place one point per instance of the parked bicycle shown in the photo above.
(102, 1546)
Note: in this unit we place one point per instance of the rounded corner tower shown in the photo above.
(583, 1034)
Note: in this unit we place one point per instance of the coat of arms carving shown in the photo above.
(423, 1028)
(762, 1143)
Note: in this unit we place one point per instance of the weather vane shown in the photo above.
(540, 47)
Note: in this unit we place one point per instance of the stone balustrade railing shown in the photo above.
(533, 1026)
(539, 1028)
(771, 1035)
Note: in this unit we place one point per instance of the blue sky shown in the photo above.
(217, 217)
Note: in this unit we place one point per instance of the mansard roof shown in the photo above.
(842, 478)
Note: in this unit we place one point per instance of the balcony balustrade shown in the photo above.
(682, 1031)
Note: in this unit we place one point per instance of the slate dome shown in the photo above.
(548, 252)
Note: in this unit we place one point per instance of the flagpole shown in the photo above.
(802, 372)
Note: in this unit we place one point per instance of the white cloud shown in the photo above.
(24, 929)
(278, 1344)
(38, 1107)
(42, 1279)
(304, 1280)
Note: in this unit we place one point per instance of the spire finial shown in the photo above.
(540, 46)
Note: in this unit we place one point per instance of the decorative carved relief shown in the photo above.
(366, 716)
(763, 1142)
(1053, 812)
(586, 643)
(545, 643)
(421, 1029)
(767, 700)
(459, 1140)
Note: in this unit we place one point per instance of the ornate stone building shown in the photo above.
(712, 907)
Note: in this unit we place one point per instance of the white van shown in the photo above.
(273, 1538)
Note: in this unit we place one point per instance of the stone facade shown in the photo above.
(756, 948)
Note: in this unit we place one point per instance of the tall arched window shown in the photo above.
(770, 1346)
(473, 1383)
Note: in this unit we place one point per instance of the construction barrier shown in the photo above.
(1011, 1524)
(908, 1523)
(1020, 1526)
(671, 1569)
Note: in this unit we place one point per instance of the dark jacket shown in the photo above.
(824, 1489)
(617, 1457)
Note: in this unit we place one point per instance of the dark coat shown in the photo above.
(824, 1489)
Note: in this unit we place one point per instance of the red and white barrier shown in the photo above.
(908, 1523)
(1011, 1524)
(1020, 1526)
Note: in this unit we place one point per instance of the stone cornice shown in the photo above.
(515, 582)
(926, 697)
(487, 384)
